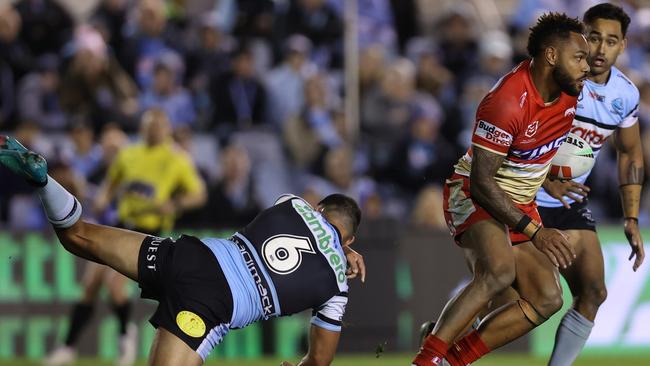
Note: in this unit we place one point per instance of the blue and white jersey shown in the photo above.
(287, 260)
(601, 109)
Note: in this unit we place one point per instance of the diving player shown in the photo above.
(290, 258)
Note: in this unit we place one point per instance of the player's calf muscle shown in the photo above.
(75, 241)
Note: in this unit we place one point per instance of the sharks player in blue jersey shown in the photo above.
(290, 258)
(608, 106)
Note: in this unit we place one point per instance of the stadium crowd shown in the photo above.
(254, 90)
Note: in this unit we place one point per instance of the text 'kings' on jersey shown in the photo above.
(601, 109)
(287, 260)
(513, 121)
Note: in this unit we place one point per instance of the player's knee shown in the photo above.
(549, 302)
(595, 294)
(498, 278)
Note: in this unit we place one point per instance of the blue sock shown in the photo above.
(570, 338)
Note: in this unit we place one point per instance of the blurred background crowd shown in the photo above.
(255, 91)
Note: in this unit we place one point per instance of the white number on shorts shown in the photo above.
(283, 253)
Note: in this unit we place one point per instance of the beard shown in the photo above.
(567, 84)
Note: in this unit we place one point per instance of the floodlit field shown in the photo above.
(386, 360)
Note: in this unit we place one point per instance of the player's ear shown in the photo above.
(623, 46)
(551, 55)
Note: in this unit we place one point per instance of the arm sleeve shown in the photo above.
(497, 122)
(329, 316)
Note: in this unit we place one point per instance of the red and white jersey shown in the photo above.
(513, 120)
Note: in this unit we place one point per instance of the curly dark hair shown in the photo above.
(608, 11)
(549, 28)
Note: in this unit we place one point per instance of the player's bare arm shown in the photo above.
(559, 189)
(630, 175)
(489, 195)
(322, 347)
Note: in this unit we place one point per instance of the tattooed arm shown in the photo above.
(487, 193)
(630, 176)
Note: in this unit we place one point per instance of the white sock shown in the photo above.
(61, 207)
(570, 338)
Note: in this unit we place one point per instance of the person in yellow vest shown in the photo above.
(152, 182)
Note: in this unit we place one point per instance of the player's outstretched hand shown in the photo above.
(356, 265)
(560, 189)
(555, 245)
(634, 238)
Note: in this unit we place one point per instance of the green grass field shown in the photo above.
(386, 360)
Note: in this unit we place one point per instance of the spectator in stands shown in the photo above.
(87, 156)
(209, 60)
(318, 21)
(340, 177)
(94, 86)
(38, 96)
(232, 201)
(372, 64)
(285, 83)
(422, 157)
(47, 26)
(428, 208)
(149, 38)
(14, 53)
(385, 112)
(239, 97)
(312, 132)
(110, 19)
(167, 92)
(255, 19)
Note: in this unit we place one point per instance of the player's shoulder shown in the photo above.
(623, 86)
(510, 94)
(286, 197)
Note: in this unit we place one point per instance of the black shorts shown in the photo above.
(578, 217)
(195, 302)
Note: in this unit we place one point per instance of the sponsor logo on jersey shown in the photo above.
(324, 238)
(570, 111)
(539, 150)
(596, 96)
(152, 253)
(532, 129)
(258, 277)
(492, 133)
(593, 137)
(617, 106)
(190, 323)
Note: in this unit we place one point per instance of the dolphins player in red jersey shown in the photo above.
(490, 199)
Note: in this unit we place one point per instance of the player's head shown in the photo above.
(606, 27)
(155, 127)
(558, 41)
(342, 212)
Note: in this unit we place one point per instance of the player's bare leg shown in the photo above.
(586, 279)
(540, 296)
(487, 248)
(169, 350)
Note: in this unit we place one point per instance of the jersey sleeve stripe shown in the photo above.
(328, 320)
(594, 122)
(489, 149)
(327, 326)
(636, 107)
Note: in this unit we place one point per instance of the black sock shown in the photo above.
(81, 313)
(123, 313)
